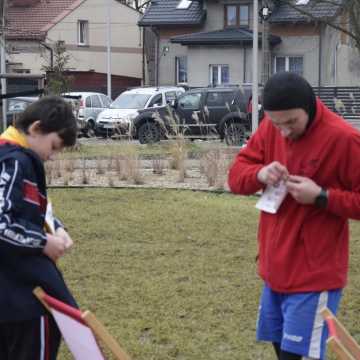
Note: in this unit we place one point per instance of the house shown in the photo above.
(33, 27)
(209, 42)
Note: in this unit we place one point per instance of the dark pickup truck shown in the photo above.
(203, 113)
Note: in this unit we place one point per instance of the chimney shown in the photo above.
(23, 3)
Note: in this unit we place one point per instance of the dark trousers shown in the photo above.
(29, 340)
(284, 355)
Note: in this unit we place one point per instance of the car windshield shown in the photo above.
(18, 105)
(130, 101)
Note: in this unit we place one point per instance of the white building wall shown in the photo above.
(305, 46)
(126, 42)
(200, 58)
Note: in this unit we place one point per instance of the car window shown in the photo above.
(130, 101)
(156, 101)
(105, 100)
(17, 105)
(95, 101)
(190, 101)
(88, 102)
(170, 96)
(219, 98)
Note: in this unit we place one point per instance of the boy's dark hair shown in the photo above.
(54, 114)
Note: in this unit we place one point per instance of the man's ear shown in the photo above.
(35, 128)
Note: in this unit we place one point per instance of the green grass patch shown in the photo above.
(172, 274)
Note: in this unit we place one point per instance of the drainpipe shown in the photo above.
(157, 46)
(143, 57)
(244, 74)
(336, 64)
(47, 47)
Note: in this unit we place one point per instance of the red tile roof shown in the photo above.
(33, 22)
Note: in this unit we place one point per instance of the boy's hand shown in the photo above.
(302, 189)
(55, 247)
(65, 235)
(273, 173)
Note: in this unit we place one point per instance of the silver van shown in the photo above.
(90, 104)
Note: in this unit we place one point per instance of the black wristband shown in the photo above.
(321, 200)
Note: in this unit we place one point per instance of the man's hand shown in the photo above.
(65, 235)
(302, 189)
(273, 173)
(55, 247)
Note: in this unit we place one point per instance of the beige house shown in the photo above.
(34, 26)
(209, 42)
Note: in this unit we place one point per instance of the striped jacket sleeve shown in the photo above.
(17, 232)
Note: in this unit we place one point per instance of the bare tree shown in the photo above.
(349, 9)
(58, 81)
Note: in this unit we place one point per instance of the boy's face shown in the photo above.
(45, 145)
(291, 123)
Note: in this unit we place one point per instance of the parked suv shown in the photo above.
(90, 105)
(118, 119)
(220, 112)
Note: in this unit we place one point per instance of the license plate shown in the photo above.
(108, 126)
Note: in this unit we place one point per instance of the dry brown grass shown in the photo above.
(214, 164)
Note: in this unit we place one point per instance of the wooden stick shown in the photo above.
(100, 331)
(343, 337)
(338, 348)
(39, 293)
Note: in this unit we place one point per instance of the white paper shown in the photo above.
(272, 198)
(78, 337)
(49, 218)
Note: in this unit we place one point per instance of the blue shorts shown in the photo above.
(294, 320)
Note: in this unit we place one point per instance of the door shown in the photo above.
(218, 104)
(190, 113)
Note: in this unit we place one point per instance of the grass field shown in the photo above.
(172, 274)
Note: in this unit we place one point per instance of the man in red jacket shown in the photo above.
(313, 156)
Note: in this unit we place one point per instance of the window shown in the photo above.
(243, 15)
(236, 15)
(216, 99)
(83, 32)
(156, 101)
(289, 63)
(181, 69)
(170, 96)
(88, 102)
(190, 101)
(184, 4)
(105, 100)
(219, 74)
(95, 101)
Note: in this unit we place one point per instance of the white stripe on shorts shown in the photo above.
(42, 338)
(315, 342)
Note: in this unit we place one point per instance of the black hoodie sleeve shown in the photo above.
(17, 233)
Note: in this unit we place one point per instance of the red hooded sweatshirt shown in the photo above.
(302, 247)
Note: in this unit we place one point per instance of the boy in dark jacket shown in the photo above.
(28, 248)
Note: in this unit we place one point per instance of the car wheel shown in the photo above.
(234, 133)
(149, 133)
(90, 129)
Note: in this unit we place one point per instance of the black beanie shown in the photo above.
(286, 90)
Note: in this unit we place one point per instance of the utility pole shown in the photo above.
(3, 61)
(108, 38)
(265, 13)
(255, 88)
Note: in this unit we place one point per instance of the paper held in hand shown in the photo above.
(272, 198)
